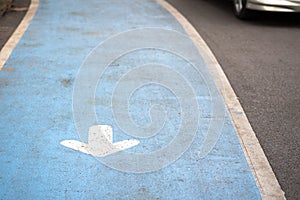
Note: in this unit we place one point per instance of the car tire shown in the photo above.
(240, 10)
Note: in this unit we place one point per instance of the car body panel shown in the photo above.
(274, 5)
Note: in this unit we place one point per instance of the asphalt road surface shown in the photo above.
(10, 20)
(261, 59)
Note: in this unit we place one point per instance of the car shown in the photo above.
(243, 8)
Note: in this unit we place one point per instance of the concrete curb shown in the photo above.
(17, 35)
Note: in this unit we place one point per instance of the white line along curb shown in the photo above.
(16, 36)
(264, 176)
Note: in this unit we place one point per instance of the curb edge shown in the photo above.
(262, 171)
(18, 33)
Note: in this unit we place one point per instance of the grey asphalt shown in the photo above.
(261, 59)
(10, 21)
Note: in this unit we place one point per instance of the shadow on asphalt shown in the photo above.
(276, 19)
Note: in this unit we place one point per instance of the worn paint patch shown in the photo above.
(8, 69)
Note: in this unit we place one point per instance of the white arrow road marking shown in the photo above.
(100, 142)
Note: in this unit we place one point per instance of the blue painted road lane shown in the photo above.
(128, 65)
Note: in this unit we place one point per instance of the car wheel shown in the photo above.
(240, 10)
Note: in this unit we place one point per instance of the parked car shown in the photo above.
(243, 8)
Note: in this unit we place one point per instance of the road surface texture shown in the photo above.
(261, 59)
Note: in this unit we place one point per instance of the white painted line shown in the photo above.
(261, 169)
(16, 36)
